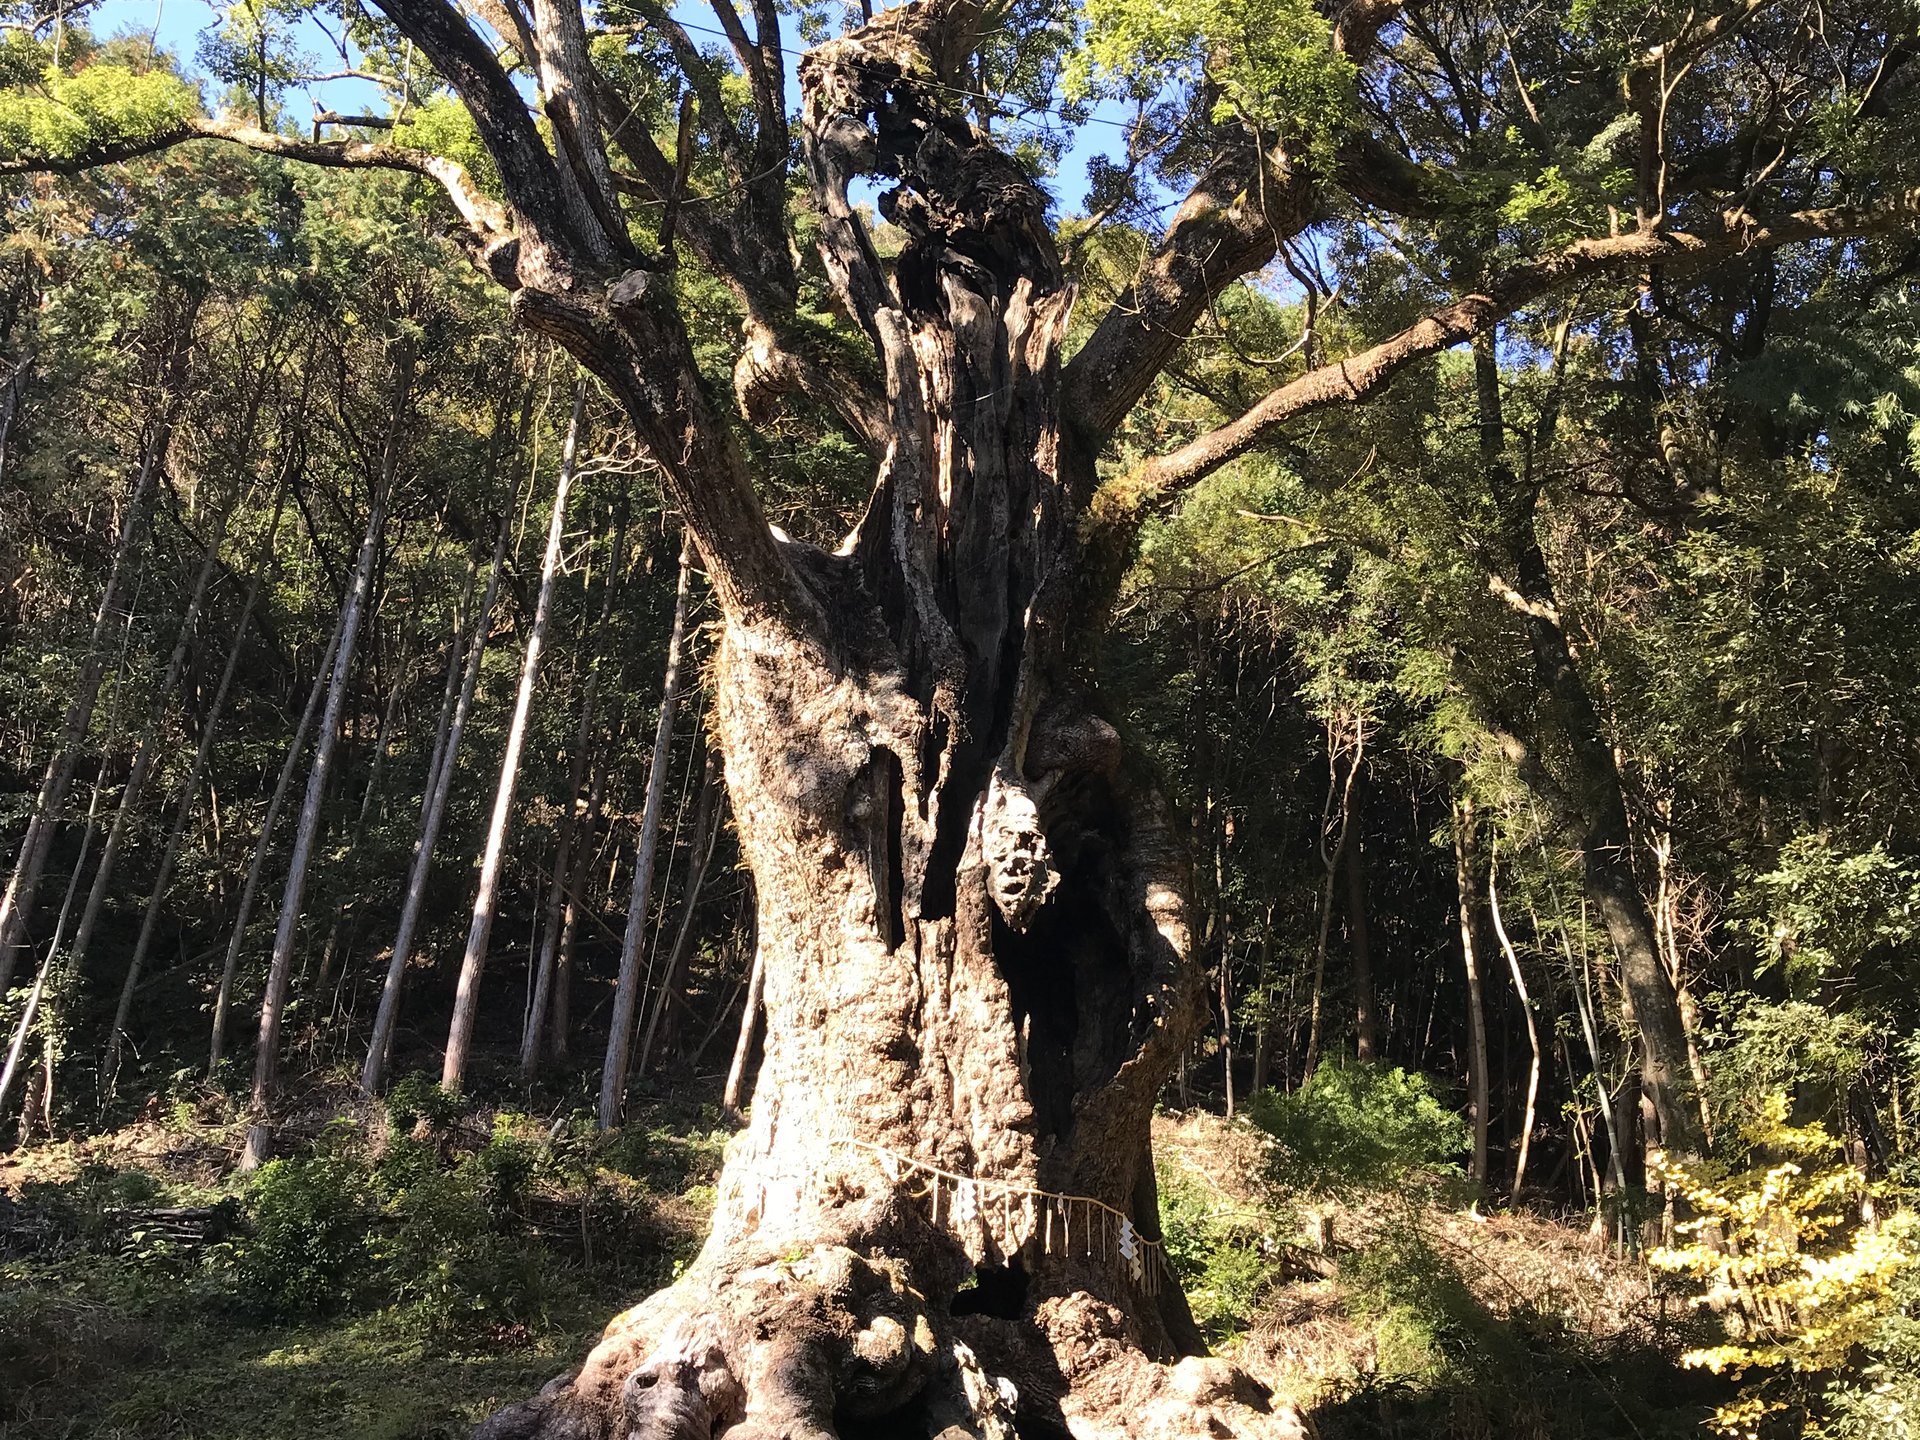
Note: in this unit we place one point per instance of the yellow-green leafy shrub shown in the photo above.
(1779, 1255)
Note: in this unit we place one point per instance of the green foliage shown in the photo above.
(1878, 1396)
(1820, 911)
(65, 113)
(1428, 1326)
(442, 125)
(1355, 1127)
(1795, 1047)
(253, 51)
(1225, 1253)
(418, 1100)
(1274, 59)
(307, 1249)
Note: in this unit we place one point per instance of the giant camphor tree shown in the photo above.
(971, 900)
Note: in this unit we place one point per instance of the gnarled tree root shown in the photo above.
(832, 1344)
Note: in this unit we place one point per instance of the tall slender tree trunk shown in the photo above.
(1526, 1010)
(1366, 1026)
(145, 752)
(1264, 1032)
(466, 999)
(1338, 811)
(1464, 827)
(266, 1058)
(743, 1047)
(626, 995)
(186, 793)
(433, 814)
(705, 833)
(1591, 806)
(16, 906)
(1580, 980)
(263, 845)
(570, 829)
(559, 1006)
(31, 1010)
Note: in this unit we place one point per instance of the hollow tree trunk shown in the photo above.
(972, 914)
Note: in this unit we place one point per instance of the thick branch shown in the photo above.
(566, 95)
(1123, 502)
(527, 168)
(1222, 231)
(771, 367)
(1240, 211)
(488, 220)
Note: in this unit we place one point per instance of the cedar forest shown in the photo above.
(1148, 718)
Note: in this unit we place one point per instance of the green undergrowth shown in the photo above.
(1328, 1239)
(392, 1276)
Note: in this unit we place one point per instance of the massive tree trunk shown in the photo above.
(971, 909)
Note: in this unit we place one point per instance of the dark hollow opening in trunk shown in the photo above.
(999, 1291)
